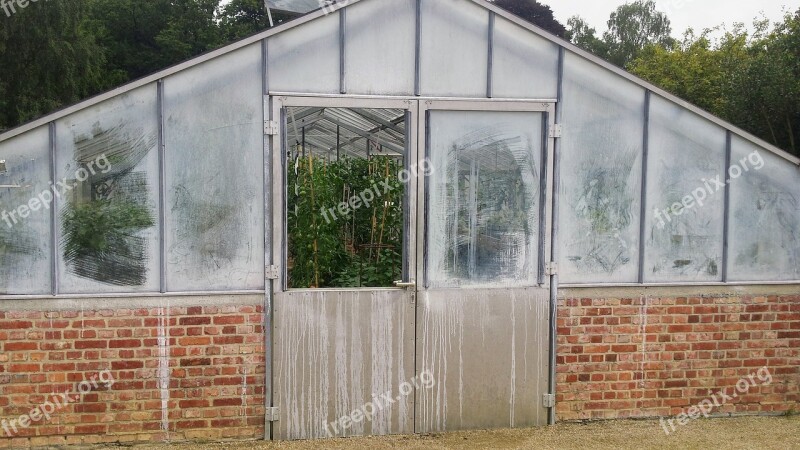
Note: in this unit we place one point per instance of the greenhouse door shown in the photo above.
(482, 314)
(344, 201)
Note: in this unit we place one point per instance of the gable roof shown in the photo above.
(568, 46)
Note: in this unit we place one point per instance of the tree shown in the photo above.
(535, 13)
(751, 80)
(144, 37)
(585, 37)
(634, 26)
(242, 18)
(49, 60)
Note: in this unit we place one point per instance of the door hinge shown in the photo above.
(272, 272)
(270, 128)
(551, 269)
(549, 400)
(273, 414)
(556, 131)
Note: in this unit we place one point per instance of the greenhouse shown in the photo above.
(410, 197)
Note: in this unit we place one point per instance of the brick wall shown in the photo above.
(212, 358)
(619, 356)
(657, 356)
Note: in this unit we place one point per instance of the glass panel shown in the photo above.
(525, 65)
(108, 224)
(601, 171)
(372, 67)
(306, 58)
(25, 199)
(685, 217)
(345, 202)
(215, 175)
(483, 205)
(764, 240)
(455, 48)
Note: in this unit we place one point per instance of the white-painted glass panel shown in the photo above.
(371, 66)
(215, 181)
(107, 157)
(455, 48)
(764, 235)
(484, 197)
(306, 58)
(25, 202)
(525, 65)
(685, 208)
(601, 172)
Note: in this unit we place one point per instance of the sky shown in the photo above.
(698, 14)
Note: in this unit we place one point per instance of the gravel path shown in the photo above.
(739, 433)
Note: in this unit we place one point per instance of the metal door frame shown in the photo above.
(547, 268)
(547, 107)
(278, 246)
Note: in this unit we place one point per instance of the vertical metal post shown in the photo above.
(162, 176)
(418, 50)
(543, 199)
(342, 43)
(338, 141)
(727, 212)
(268, 244)
(643, 205)
(304, 143)
(54, 252)
(490, 62)
(553, 335)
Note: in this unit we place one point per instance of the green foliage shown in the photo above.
(535, 13)
(751, 80)
(48, 59)
(95, 228)
(634, 26)
(360, 248)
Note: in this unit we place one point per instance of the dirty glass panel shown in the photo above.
(685, 214)
(525, 65)
(346, 190)
(107, 160)
(483, 205)
(372, 68)
(25, 200)
(455, 48)
(306, 58)
(764, 239)
(601, 161)
(215, 181)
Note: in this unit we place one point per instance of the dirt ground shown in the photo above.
(736, 433)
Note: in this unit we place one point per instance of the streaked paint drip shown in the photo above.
(163, 366)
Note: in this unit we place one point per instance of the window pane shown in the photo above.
(683, 243)
(306, 58)
(455, 48)
(108, 223)
(215, 175)
(372, 68)
(484, 198)
(601, 173)
(25, 248)
(345, 197)
(525, 65)
(765, 216)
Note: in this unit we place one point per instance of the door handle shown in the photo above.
(411, 284)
